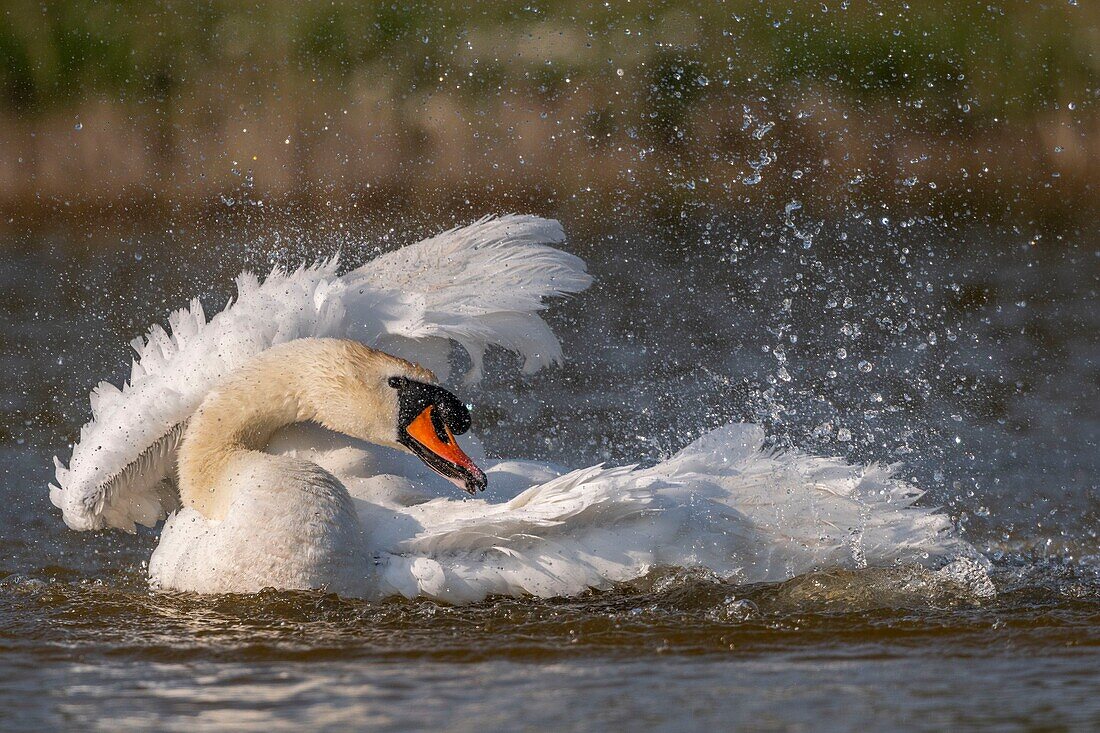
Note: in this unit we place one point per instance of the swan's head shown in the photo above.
(382, 399)
(428, 418)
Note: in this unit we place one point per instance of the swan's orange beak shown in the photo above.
(435, 444)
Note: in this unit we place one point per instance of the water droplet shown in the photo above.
(842, 353)
(844, 435)
(78, 126)
(865, 366)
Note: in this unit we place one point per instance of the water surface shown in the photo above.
(972, 358)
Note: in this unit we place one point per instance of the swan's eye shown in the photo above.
(414, 397)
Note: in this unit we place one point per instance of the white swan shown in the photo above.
(296, 464)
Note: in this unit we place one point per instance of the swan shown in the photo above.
(302, 438)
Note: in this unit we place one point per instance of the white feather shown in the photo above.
(480, 285)
(722, 503)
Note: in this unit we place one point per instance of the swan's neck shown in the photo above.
(234, 424)
(338, 384)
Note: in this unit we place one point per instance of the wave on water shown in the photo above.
(668, 610)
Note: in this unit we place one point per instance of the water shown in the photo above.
(672, 658)
(983, 379)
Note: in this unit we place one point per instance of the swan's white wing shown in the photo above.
(114, 478)
(722, 504)
(479, 285)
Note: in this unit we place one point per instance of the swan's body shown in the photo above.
(266, 498)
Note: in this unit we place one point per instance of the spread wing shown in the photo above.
(478, 285)
(125, 452)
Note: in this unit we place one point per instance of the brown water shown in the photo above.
(690, 653)
(997, 416)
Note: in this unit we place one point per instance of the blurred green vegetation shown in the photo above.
(1015, 57)
(979, 92)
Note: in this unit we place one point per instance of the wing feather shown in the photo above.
(129, 446)
(480, 285)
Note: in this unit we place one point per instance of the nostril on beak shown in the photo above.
(476, 481)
